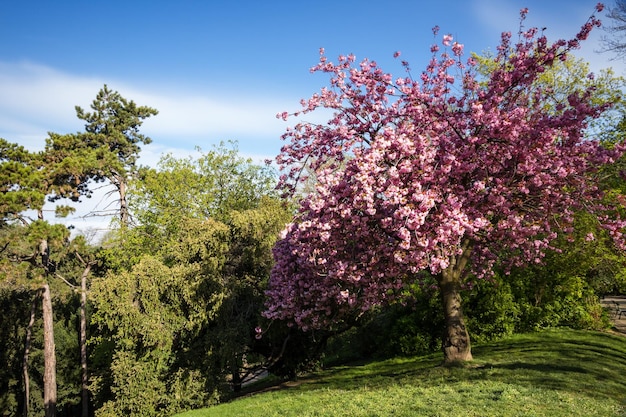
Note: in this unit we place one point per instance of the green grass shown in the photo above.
(553, 373)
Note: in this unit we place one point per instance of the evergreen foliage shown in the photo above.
(183, 290)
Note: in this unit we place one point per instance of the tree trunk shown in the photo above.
(235, 370)
(121, 188)
(27, 342)
(236, 382)
(49, 376)
(456, 341)
(83, 340)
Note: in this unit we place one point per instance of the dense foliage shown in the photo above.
(176, 310)
(173, 294)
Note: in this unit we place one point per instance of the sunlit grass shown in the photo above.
(552, 373)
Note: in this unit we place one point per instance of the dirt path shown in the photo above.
(616, 304)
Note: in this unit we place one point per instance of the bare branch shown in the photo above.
(615, 42)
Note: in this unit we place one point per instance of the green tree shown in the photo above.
(31, 264)
(253, 233)
(177, 309)
(211, 185)
(144, 316)
(40, 255)
(37, 258)
(24, 185)
(21, 181)
(107, 150)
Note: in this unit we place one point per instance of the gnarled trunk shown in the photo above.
(456, 341)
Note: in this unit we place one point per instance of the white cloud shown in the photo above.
(190, 117)
(36, 99)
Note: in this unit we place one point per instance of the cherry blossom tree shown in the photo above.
(443, 177)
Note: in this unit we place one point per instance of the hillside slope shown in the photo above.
(551, 373)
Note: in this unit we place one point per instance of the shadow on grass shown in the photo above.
(585, 363)
(589, 363)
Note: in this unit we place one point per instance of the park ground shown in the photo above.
(554, 373)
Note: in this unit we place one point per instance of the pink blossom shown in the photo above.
(457, 49)
(412, 174)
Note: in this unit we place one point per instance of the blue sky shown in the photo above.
(221, 70)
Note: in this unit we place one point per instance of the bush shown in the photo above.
(409, 329)
(491, 311)
(547, 298)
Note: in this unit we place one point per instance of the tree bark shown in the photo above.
(456, 344)
(120, 182)
(49, 376)
(83, 340)
(27, 343)
(236, 375)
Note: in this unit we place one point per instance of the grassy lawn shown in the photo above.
(552, 373)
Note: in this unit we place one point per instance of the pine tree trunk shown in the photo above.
(124, 217)
(456, 344)
(27, 343)
(83, 341)
(49, 377)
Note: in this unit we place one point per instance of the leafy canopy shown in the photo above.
(183, 292)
